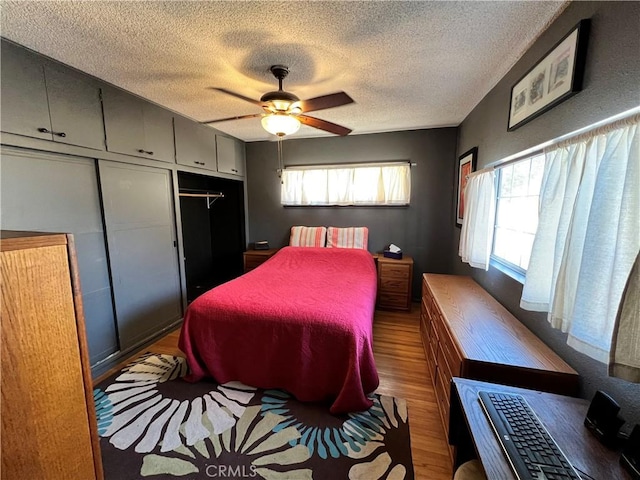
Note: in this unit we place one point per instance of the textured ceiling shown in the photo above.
(407, 65)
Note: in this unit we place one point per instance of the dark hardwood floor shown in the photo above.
(403, 372)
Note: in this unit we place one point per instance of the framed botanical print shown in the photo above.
(556, 77)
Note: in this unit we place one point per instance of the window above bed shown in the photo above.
(372, 184)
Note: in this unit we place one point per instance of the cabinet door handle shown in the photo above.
(60, 134)
(234, 170)
(198, 163)
(44, 130)
(145, 151)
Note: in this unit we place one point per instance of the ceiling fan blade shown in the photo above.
(324, 125)
(326, 101)
(253, 115)
(237, 95)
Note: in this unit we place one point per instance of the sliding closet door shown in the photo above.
(56, 193)
(141, 238)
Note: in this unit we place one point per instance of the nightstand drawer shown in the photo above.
(392, 300)
(255, 258)
(394, 285)
(252, 262)
(395, 271)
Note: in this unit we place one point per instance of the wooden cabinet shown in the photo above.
(394, 283)
(255, 258)
(195, 144)
(467, 333)
(41, 99)
(231, 155)
(136, 127)
(49, 426)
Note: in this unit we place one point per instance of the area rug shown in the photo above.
(152, 424)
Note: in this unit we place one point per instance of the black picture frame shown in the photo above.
(467, 163)
(557, 76)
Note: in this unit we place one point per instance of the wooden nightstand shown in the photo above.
(253, 258)
(394, 283)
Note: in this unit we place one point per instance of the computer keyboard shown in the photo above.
(530, 449)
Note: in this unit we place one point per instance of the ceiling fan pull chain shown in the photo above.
(280, 160)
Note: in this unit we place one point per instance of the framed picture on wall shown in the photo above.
(554, 78)
(468, 162)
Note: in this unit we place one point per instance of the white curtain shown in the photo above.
(624, 361)
(387, 184)
(476, 237)
(588, 235)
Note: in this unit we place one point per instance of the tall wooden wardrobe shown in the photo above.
(49, 428)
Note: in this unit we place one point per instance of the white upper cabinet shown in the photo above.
(43, 100)
(231, 155)
(136, 127)
(195, 144)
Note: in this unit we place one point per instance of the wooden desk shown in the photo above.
(471, 433)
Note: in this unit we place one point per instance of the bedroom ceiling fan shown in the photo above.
(284, 111)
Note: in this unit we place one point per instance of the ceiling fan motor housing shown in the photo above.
(279, 101)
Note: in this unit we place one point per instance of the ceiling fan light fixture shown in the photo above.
(280, 124)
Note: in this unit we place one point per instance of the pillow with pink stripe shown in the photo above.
(307, 236)
(350, 237)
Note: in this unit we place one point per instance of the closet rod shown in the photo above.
(207, 196)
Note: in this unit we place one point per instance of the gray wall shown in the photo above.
(423, 230)
(611, 85)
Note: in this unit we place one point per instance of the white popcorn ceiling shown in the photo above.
(407, 65)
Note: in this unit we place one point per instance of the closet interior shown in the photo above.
(212, 211)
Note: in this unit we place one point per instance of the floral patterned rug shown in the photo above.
(154, 425)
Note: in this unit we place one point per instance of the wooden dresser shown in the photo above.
(49, 426)
(467, 333)
(394, 283)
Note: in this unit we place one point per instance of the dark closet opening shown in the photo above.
(213, 235)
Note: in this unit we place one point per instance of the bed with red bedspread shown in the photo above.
(301, 322)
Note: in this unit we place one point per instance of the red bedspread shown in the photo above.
(302, 322)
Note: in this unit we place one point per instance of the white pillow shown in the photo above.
(350, 237)
(307, 236)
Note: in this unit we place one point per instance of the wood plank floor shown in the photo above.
(403, 372)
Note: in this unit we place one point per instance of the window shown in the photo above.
(365, 184)
(517, 212)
